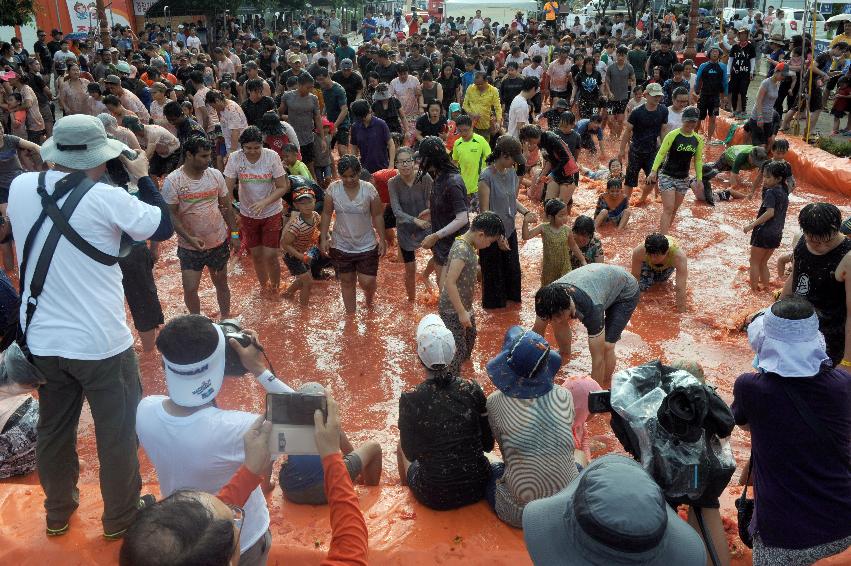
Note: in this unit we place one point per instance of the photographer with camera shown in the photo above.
(196, 527)
(191, 442)
(72, 316)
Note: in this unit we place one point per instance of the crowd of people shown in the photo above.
(420, 138)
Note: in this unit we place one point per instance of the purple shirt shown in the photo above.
(803, 489)
(372, 143)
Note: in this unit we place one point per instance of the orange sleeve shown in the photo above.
(349, 537)
(240, 486)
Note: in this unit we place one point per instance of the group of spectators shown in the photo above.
(295, 145)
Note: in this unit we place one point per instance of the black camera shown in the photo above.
(232, 329)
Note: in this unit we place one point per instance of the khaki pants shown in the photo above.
(113, 390)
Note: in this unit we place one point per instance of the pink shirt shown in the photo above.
(198, 205)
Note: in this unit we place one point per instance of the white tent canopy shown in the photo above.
(501, 11)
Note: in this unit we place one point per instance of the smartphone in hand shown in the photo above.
(291, 415)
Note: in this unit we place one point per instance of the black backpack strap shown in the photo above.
(815, 424)
(60, 221)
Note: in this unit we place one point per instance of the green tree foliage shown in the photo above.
(16, 12)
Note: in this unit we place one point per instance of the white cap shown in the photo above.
(192, 385)
(435, 343)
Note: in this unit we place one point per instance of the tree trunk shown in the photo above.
(690, 50)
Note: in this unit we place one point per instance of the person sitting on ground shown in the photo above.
(734, 159)
(302, 479)
(532, 421)
(193, 443)
(558, 240)
(614, 512)
(197, 527)
(443, 428)
(612, 206)
(590, 246)
(656, 260)
(797, 408)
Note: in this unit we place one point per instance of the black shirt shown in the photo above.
(664, 59)
(815, 280)
(418, 65)
(351, 84)
(740, 59)
(510, 88)
(390, 114)
(646, 127)
(254, 110)
(426, 128)
(446, 431)
(386, 74)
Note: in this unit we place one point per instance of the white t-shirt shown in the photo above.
(675, 119)
(406, 92)
(193, 42)
(80, 313)
(232, 118)
(200, 451)
(536, 49)
(518, 115)
(198, 205)
(165, 142)
(256, 180)
(353, 230)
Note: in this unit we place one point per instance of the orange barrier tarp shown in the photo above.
(809, 163)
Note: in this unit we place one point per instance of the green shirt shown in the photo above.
(738, 156)
(470, 157)
(299, 168)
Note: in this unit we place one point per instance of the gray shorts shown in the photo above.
(774, 556)
(617, 317)
(667, 183)
(315, 494)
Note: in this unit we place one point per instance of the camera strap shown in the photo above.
(75, 186)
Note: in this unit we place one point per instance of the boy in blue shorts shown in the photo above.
(612, 206)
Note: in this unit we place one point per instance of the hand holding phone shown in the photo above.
(293, 421)
(328, 430)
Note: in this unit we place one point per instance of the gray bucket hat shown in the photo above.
(80, 142)
(613, 513)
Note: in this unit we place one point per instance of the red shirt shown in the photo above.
(380, 180)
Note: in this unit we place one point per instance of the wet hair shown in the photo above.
(759, 155)
(187, 339)
(637, 88)
(778, 169)
(434, 157)
(360, 108)
(530, 132)
(172, 109)
(251, 134)
(679, 91)
(404, 149)
(489, 223)
(213, 96)
(254, 85)
(820, 219)
(615, 160)
(348, 162)
(553, 207)
(583, 225)
(596, 118)
(793, 308)
(614, 184)
(677, 68)
(552, 299)
(622, 50)
(780, 145)
(180, 529)
(197, 143)
(321, 72)
(290, 148)
(94, 87)
(656, 243)
(463, 120)
(567, 117)
(111, 100)
(530, 83)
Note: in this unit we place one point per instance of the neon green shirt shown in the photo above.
(470, 157)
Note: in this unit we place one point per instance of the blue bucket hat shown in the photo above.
(526, 366)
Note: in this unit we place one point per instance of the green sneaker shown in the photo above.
(145, 501)
(55, 530)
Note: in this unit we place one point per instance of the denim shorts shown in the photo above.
(617, 317)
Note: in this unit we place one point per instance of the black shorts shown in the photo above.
(365, 263)
(307, 153)
(638, 162)
(408, 256)
(214, 258)
(761, 134)
(564, 94)
(618, 106)
(709, 105)
(618, 315)
(341, 136)
(766, 240)
(140, 290)
(389, 217)
(558, 175)
(295, 265)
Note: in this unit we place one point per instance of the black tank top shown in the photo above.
(815, 280)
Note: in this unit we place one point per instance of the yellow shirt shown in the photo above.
(551, 8)
(484, 104)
